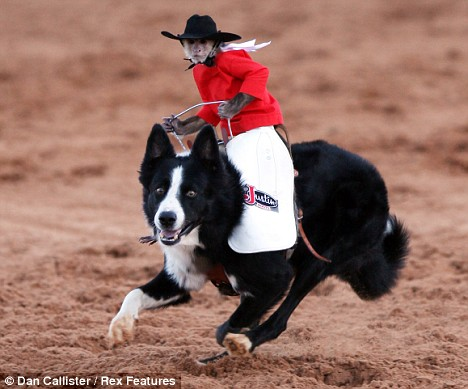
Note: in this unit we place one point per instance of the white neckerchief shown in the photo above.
(248, 46)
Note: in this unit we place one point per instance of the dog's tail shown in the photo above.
(380, 269)
(396, 243)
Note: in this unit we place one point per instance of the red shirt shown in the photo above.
(234, 72)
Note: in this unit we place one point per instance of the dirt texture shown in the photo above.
(81, 84)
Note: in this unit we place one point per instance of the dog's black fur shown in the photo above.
(345, 216)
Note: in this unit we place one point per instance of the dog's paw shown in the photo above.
(121, 330)
(122, 326)
(237, 344)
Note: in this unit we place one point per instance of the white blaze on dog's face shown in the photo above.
(178, 244)
(197, 50)
(171, 206)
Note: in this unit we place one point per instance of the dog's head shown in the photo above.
(177, 189)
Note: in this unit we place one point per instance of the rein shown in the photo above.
(171, 118)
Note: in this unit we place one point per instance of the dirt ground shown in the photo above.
(81, 84)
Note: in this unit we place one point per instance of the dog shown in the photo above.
(194, 200)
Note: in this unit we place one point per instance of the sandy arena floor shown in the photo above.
(81, 84)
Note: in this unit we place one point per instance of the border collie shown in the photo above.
(194, 200)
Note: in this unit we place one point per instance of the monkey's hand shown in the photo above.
(232, 107)
(170, 123)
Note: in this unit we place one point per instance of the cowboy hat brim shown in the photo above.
(218, 36)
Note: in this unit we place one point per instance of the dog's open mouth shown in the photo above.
(172, 237)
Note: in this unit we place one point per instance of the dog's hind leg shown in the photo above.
(159, 292)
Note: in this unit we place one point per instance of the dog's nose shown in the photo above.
(167, 219)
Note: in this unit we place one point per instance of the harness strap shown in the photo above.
(306, 240)
(218, 278)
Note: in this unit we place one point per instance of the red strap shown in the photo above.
(306, 241)
(217, 274)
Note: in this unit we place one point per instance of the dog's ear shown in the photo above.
(206, 148)
(157, 146)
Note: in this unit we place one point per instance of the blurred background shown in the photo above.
(82, 83)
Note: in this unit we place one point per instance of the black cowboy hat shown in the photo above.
(202, 27)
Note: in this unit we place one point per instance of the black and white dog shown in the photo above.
(194, 200)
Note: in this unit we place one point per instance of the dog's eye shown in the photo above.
(159, 191)
(191, 194)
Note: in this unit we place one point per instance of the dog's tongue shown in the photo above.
(167, 234)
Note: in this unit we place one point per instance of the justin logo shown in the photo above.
(260, 199)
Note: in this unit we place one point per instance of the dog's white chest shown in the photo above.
(180, 264)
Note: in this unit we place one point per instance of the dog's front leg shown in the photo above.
(243, 319)
(262, 280)
(227, 327)
(159, 292)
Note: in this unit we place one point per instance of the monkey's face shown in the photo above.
(197, 50)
